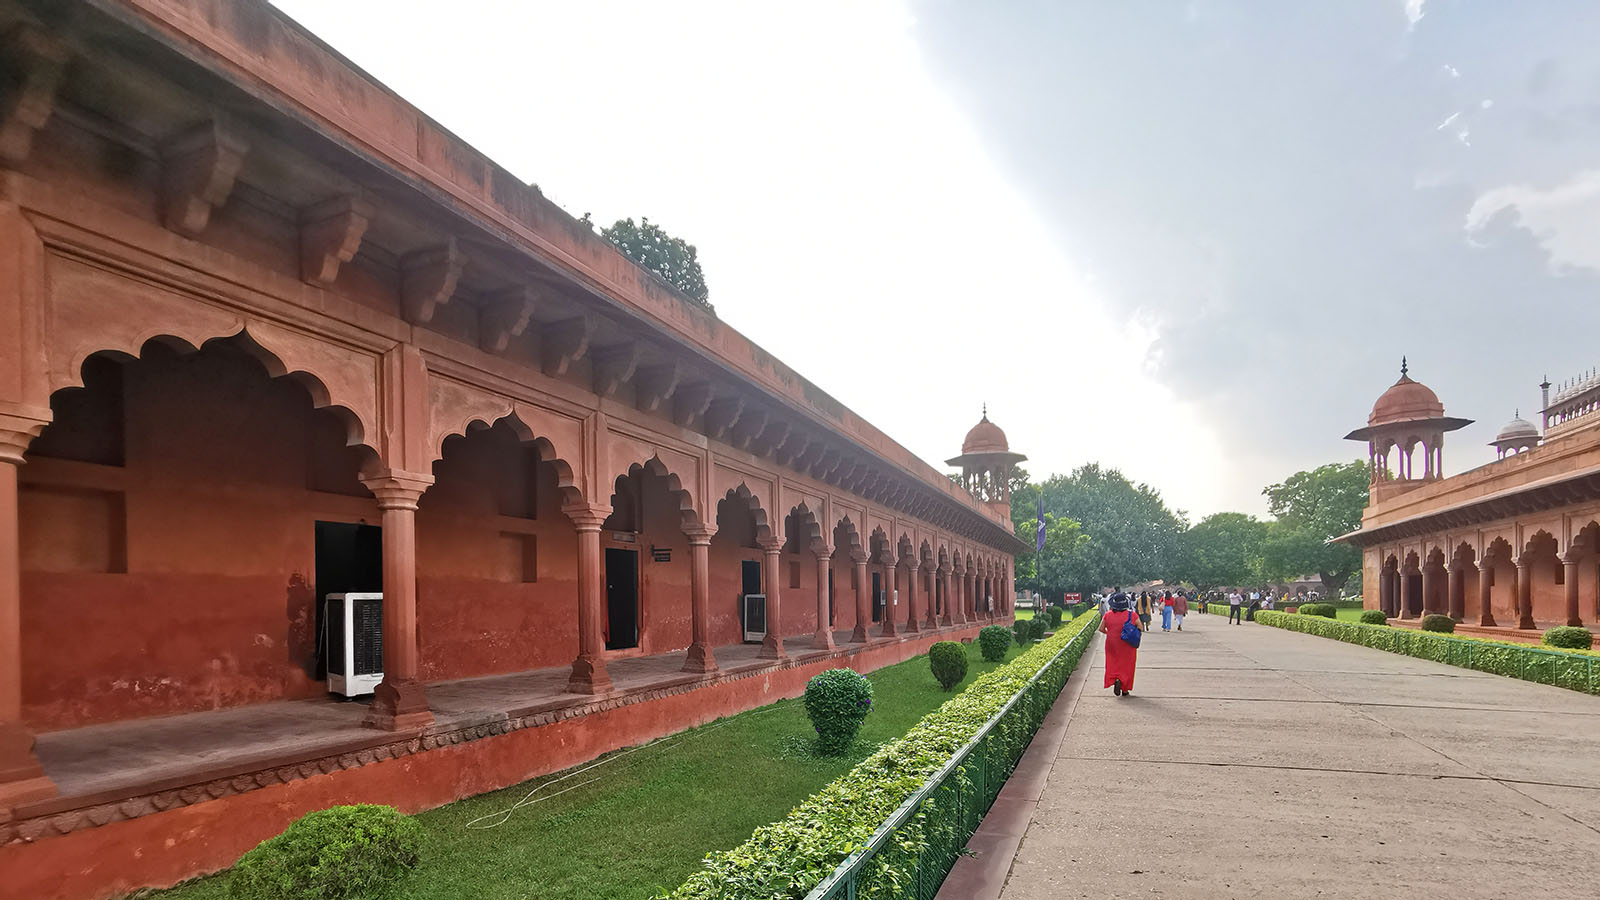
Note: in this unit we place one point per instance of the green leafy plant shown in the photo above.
(948, 659)
(1568, 637)
(1055, 615)
(1374, 617)
(1023, 628)
(341, 853)
(788, 858)
(671, 259)
(1036, 629)
(837, 701)
(993, 641)
(1325, 610)
(1438, 624)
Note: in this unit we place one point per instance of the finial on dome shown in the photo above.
(986, 409)
(1402, 366)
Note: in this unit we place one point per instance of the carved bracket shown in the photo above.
(565, 342)
(428, 280)
(751, 424)
(773, 438)
(613, 366)
(198, 169)
(798, 443)
(691, 403)
(505, 315)
(33, 65)
(330, 235)
(655, 385)
(722, 415)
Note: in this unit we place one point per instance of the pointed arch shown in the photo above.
(745, 499)
(688, 516)
(544, 448)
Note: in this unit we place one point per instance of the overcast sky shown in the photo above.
(1190, 240)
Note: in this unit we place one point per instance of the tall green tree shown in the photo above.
(1223, 549)
(1129, 533)
(673, 260)
(1312, 507)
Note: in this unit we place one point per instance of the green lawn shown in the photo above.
(651, 815)
(1349, 615)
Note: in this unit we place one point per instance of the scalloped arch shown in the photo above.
(743, 494)
(689, 517)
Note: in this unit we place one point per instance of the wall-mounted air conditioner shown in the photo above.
(755, 618)
(353, 626)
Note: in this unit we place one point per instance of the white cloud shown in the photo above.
(1565, 219)
(1414, 15)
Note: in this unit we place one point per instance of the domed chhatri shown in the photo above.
(1406, 415)
(986, 461)
(1518, 436)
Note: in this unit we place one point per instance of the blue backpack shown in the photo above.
(1131, 635)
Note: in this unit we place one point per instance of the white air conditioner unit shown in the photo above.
(755, 618)
(353, 626)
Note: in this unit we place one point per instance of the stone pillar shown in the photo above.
(888, 629)
(913, 622)
(948, 618)
(22, 779)
(1456, 590)
(1485, 593)
(863, 598)
(700, 659)
(1385, 592)
(1570, 574)
(823, 639)
(930, 611)
(589, 674)
(969, 600)
(772, 645)
(1430, 588)
(1407, 602)
(399, 703)
(1524, 596)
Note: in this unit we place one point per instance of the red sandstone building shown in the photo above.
(1510, 548)
(267, 333)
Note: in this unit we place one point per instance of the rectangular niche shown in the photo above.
(67, 529)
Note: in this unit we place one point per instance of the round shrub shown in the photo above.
(1438, 623)
(837, 700)
(339, 853)
(993, 641)
(1325, 610)
(1373, 617)
(1023, 629)
(1568, 637)
(949, 662)
(1036, 629)
(1055, 614)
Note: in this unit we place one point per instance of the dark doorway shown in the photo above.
(1413, 595)
(750, 583)
(831, 593)
(349, 561)
(622, 598)
(877, 597)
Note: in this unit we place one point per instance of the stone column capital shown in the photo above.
(19, 425)
(771, 546)
(396, 489)
(700, 534)
(859, 557)
(823, 551)
(587, 516)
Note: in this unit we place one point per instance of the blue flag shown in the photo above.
(1038, 539)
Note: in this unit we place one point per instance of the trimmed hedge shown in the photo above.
(948, 659)
(1568, 637)
(994, 641)
(1438, 624)
(1577, 670)
(1374, 617)
(837, 700)
(1325, 610)
(357, 852)
(790, 857)
(1024, 630)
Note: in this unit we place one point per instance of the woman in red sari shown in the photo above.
(1120, 658)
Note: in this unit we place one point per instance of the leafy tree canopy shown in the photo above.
(1127, 533)
(1223, 549)
(672, 259)
(1311, 507)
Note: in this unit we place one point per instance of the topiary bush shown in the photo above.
(1325, 610)
(1568, 637)
(948, 659)
(993, 641)
(1055, 614)
(340, 853)
(1438, 624)
(837, 701)
(1036, 629)
(1024, 631)
(1374, 617)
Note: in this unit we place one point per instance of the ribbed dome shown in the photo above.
(1517, 429)
(1405, 401)
(985, 437)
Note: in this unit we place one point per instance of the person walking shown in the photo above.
(1235, 608)
(1121, 657)
(1180, 608)
(1144, 610)
(1166, 611)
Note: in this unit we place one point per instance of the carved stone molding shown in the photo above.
(614, 366)
(198, 169)
(691, 402)
(34, 64)
(428, 280)
(655, 385)
(565, 342)
(330, 235)
(722, 415)
(505, 315)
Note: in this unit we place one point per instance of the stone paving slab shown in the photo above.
(1283, 765)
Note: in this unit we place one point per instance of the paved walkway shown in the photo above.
(1255, 762)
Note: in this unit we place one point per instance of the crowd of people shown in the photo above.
(1125, 617)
